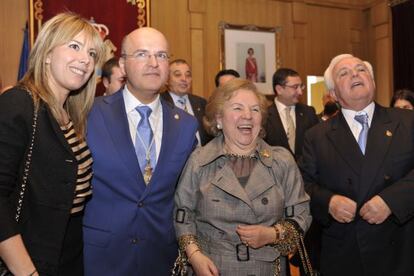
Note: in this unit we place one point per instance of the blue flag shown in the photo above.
(24, 56)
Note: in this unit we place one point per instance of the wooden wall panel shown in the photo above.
(313, 31)
(14, 14)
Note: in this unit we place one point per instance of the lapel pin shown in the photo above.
(265, 153)
(388, 133)
(176, 116)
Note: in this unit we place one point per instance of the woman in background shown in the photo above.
(238, 198)
(403, 98)
(251, 66)
(59, 86)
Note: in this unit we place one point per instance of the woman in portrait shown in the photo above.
(403, 98)
(239, 201)
(251, 66)
(42, 130)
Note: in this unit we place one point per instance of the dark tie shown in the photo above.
(363, 135)
(144, 144)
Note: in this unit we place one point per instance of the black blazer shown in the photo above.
(333, 164)
(198, 104)
(276, 134)
(51, 183)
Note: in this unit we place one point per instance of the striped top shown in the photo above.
(83, 156)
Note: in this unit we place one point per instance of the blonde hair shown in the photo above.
(224, 93)
(57, 31)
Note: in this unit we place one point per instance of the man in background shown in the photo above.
(179, 94)
(112, 77)
(288, 119)
(224, 76)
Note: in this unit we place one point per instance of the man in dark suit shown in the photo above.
(139, 145)
(224, 76)
(288, 88)
(179, 94)
(358, 168)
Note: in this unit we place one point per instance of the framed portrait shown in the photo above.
(252, 51)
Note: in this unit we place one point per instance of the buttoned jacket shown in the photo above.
(334, 164)
(51, 181)
(210, 201)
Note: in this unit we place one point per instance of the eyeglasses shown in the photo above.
(296, 86)
(144, 56)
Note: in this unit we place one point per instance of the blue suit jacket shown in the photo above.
(128, 226)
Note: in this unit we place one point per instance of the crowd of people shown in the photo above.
(144, 182)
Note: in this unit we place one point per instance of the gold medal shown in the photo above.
(147, 172)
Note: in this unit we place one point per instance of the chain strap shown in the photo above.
(27, 163)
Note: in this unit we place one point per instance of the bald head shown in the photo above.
(144, 62)
(142, 33)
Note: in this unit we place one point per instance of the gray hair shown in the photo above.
(329, 79)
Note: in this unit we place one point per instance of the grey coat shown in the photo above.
(210, 203)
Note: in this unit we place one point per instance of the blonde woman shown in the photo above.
(59, 87)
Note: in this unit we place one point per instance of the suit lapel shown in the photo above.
(195, 106)
(379, 140)
(58, 131)
(300, 122)
(258, 181)
(342, 139)
(227, 181)
(116, 121)
(277, 126)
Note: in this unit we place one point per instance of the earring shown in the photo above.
(219, 126)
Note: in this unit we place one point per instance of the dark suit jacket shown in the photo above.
(128, 225)
(333, 164)
(198, 104)
(51, 184)
(276, 134)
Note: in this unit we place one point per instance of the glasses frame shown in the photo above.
(296, 86)
(147, 56)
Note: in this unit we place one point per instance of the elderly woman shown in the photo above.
(45, 164)
(240, 203)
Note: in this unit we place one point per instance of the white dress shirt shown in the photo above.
(282, 113)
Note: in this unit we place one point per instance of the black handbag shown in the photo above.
(4, 271)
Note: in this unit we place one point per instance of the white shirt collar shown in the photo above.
(131, 102)
(281, 106)
(350, 114)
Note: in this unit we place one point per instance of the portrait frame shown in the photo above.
(236, 45)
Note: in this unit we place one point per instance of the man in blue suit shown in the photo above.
(139, 145)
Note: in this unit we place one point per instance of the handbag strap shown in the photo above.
(27, 163)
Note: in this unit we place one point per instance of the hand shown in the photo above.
(342, 209)
(203, 266)
(375, 210)
(256, 236)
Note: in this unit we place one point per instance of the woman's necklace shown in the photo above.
(227, 151)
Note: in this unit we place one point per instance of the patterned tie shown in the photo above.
(182, 101)
(363, 135)
(291, 132)
(144, 144)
